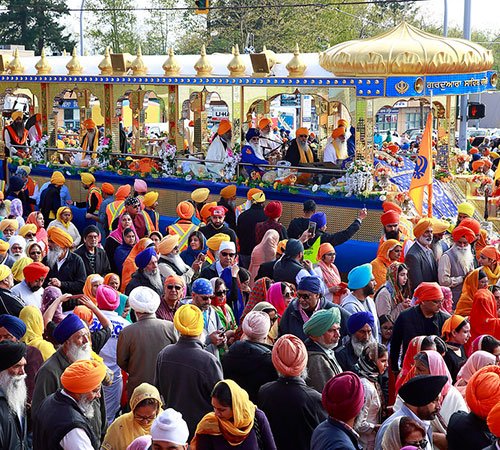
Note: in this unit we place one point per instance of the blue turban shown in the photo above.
(251, 133)
(293, 248)
(143, 258)
(476, 157)
(321, 321)
(202, 286)
(319, 218)
(16, 183)
(359, 277)
(358, 320)
(310, 284)
(67, 327)
(13, 325)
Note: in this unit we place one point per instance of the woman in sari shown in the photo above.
(197, 244)
(476, 361)
(236, 422)
(92, 282)
(388, 252)
(394, 296)
(129, 266)
(328, 272)
(487, 343)
(477, 279)
(124, 249)
(63, 220)
(218, 302)
(263, 252)
(115, 238)
(41, 233)
(145, 405)
(32, 318)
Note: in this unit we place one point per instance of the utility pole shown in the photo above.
(464, 99)
(445, 19)
(81, 27)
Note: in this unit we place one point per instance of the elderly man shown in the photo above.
(65, 417)
(74, 337)
(218, 148)
(187, 368)
(423, 319)
(139, 344)
(228, 201)
(422, 265)
(173, 293)
(147, 273)
(248, 361)
(169, 431)
(252, 152)
(299, 152)
(31, 288)
(269, 142)
(336, 145)
(90, 140)
(17, 247)
(323, 334)
(10, 303)
(67, 271)
(216, 224)
(13, 396)
(293, 409)
(8, 227)
(299, 311)
(16, 136)
(93, 256)
(360, 326)
(456, 263)
(5, 258)
(225, 259)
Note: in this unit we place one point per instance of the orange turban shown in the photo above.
(337, 132)
(389, 217)
(83, 376)
(60, 237)
(390, 206)
(427, 292)
(302, 131)
(168, 243)
(108, 188)
(451, 324)
(476, 165)
(185, 210)
(289, 355)
(281, 246)
(174, 279)
(342, 123)
(474, 150)
(38, 117)
(224, 127)
(490, 251)
(251, 192)
(84, 313)
(483, 391)
(493, 420)
(264, 122)
(89, 123)
(472, 224)
(35, 271)
(487, 163)
(228, 191)
(205, 212)
(324, 249)
(463, 232)
(123, 192)
(439, 226)
(422, 226)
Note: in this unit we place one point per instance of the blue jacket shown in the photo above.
(248, 156)
(333, 435)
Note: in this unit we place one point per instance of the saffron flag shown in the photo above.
(422, 175)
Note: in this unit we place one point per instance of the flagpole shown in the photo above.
(429, 187)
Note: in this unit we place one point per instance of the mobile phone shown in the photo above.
(312, 228)
(222, 331)
(76, 297)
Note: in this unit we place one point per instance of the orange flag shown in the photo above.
(422, 175)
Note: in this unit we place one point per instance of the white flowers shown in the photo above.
(359, 178)
(38, 150)
(167, 154)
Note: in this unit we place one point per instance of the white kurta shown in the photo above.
(216, 152)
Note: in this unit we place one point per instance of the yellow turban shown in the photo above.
(57, 178)
(188, 320)
(18, 267)
(83, 376)
(4, 247)
(87, 178)
(259, 197)
(228, 191)
(4, 272)
(28, 228)
(6, 223)
(168, 243)
(150, 198)
(439, 226)
(200, 195)
(422, 225)
(27, 169)
(16, 114)
(60, 237)
(216, 240)
(466, 208)
(251, 192)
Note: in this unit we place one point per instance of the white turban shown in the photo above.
(169, 426)
(227, 245)
(16, 239)
(144, 300)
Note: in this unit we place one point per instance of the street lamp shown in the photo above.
(462, 135)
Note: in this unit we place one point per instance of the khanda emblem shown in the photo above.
(401, 87)
(420, 167)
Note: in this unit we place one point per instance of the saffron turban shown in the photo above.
(107, 298)
(228, 191)
(256, 325)
(4, 247)
(67, 327)
(343, 396)
(174, 279)
(466, 208)
(474, 150)
(264, 122)
(389, 217)
(35, 271)
(89, 123)
(224, 127)
(83, 376)
(324, 248)
(123, 192)
(251, 192)
(140, 186)
(205, 210)
(9, 223)
(188, 320)
(490, 251)
(200, 195)
(427, 291)
(169, 426)
(439, 226)
(483, 391)
(108, 188)
(452, 323)
(185, 210)
(273, 210)
(463, 232)
(321, 321)
(28, 228)
(337, 132)
(84, 313)
(16, 115)
(472, 224)
(302, 131)
(59, 237)
(11, 353)
(493, 420)
(358, 320)
(150, 198)
(144, 257)
(218, 211)
(391, 206)
(87, 178)
(319, 219)
(476, 165)
(4, 272)
(289, 355)
(143, 299)
(168, 243)
(422, 226)
(57, 178)
(14, 325)
(216, 240)
(422, 389)
(360, 276)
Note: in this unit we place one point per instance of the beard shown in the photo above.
(359, 346)
(154, 279)
(86, 407)
(53, 256)
(464, 257)
(342, 146)
(16, 256)
(18, 127)
(330, 346)
(392, 235)
(14, 388)
(425, 241)
(177, 261)
(368, 290)
(75, 352)
(437, 249)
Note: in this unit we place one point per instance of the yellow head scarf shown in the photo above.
(18, 267)
(59, 214)
(32, 317)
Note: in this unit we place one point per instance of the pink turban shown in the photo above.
(107, 298)
(256, 325)
(289, 355)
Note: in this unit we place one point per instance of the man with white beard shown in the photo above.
(360, 327)
(336, 145)
(17, 246)
(252, 152)
(300, 152)
(456, 263)
(74, 337)
(65, 417)
(269, 141)
(147, 273)
(13, 394)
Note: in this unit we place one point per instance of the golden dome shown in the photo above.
(138, 67)
(171, 66)
(296, 66)
(15, 67)
(105, 65)
(74, 67)
(203, 66)
(406, 50)
(236, 66)
(42, 66)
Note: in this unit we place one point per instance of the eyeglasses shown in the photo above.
(287, 294)
(330, 254)
(144, 419)
(221, 293)
(304, 296)
(303, 135)
(205, 297)
(232, 255)
(174, 286)
(29, 236)
(419, 444)
(35, 253)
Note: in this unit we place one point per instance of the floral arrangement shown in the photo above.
(382, 171)
(484, 184)
(231, 161)
(103, 152)
(38, 151)
(443, 174)
(167, 154)
(359, 178)
(402, 197)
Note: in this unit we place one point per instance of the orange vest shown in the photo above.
(183, 229)
(94, 190)
(113, 210)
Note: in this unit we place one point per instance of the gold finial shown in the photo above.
(105, 65)
(74, 67)
(203, 66)
(296, 66)
(138, 67)
(171, 67)
(42, 66)
(236, 66)
(64, 52)
(15, 67)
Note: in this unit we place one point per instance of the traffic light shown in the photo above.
(475, 110)
(202, 6)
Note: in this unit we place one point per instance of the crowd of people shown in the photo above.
(228, 330)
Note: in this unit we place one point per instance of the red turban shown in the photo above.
(343, 396)
(427, 291)
(490, 251)
(474, 150)
(218, 211)
(472, 224)
(389, 217)
(289, 355)
(390, 206)
(35, 271)
(273, 210)
(463, 232)
(83, 376)
(483, 391)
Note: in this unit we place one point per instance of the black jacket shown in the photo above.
(420, 266)
(293, 409)
(250, 365)
(335, 238)
(208, 231)
(71, 274)
(468, 431)
(297, 226)
(246, 227)
(286, 269)
(50, 202)
(346, 357)
(138, 279)
(9, 303)
(266, 270)
(102, 266)
(12, 436)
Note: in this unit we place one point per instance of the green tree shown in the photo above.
(160, 26)
(388, 15)
(35, 24)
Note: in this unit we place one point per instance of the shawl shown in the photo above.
(276, 299)
(397, 292)
(476, 361)
(437, 366)
(41, 233)
(117, 234)
(408, 371)
(59, 213)
(129, 266)
(189, 255)
(469, 288)
(382, 261)
(306, 157)
(493, 277)
(331, 275)
(32, 317)
(258, 294)
(50, 293)
(263, 252)
(483, 315)
(87, 287)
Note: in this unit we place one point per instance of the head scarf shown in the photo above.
(257, 295)
(491, 252)
(483, 316)
(83, 376)
(451, 324)
(398, 293)
(16, 208)
(483, 391)
(129, 266)
(343, 396)
(117, 234)
(188, 320)
(476, 361)
(264, 252)
(33, 319)
(59, 214)
(407, 370)
(437, 366)
(50, 293)
(140, 443)
(87, 287)
(19, 266)
(275, 298)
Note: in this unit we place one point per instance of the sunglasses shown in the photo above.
(419, 444)
(174, 286)
(29, 236)
(205, 298)
(232, 255)
(303, 135)
(287, 294)
(221, 293)
(35, 253)
(304, 296)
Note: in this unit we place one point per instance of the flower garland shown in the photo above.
(231, 161)
(359, 178)
(38, 151)
(103, 151)
(168, 154)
